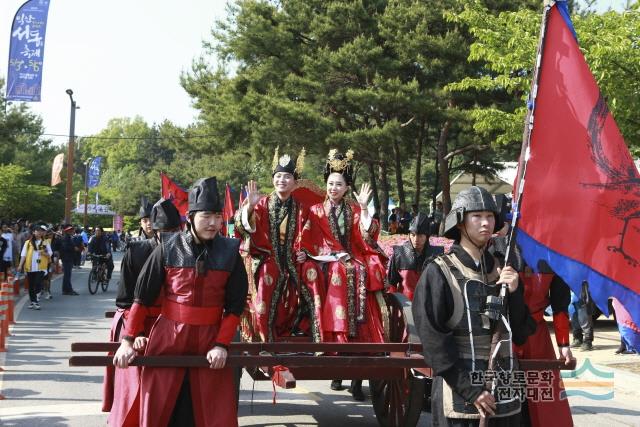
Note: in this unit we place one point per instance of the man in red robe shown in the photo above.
(271, 226)
(121, 386)
(200, 281)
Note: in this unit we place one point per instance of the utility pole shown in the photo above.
(70, 152)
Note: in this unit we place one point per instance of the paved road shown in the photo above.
(41, 389)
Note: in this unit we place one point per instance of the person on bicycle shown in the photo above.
(99, 244)
(121, 387)
(199, 279)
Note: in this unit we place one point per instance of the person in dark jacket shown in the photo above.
(460, 309)
(67, 249)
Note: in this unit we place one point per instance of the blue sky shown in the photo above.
(122, 58)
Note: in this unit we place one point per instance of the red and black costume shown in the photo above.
(540, 291)
(202, 289)
(406, 263)
(121, 386)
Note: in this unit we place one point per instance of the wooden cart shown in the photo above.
(400, 381)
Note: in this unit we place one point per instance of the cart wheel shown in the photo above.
(399, 402)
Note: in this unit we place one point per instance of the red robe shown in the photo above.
(124, 383)
(202, 290)
(275, 300)
(351, 310)
(537, 296)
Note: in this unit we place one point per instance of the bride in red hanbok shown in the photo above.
(351, 271)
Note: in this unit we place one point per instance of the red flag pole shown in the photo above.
(525, 151)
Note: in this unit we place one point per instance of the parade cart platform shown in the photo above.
(399, 378)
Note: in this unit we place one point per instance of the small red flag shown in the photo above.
(175, 193)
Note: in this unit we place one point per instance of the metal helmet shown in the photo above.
(420, 224)
(164, 215)
(472, 199)
(204, 196)
(145, 208)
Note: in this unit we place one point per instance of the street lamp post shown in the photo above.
(86, 190)
(70, 152)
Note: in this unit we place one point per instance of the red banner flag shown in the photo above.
(175, 193)
(580, 208)
(228, 210)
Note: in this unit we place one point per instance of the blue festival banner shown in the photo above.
(93, 174)
(26, 51)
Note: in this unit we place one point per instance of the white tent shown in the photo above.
(502, 183)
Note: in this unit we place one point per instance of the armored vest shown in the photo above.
(477, 313)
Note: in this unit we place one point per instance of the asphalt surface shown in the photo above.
(41, 389)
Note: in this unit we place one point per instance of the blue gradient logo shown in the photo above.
(589, 382)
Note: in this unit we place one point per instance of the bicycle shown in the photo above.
(98, 274)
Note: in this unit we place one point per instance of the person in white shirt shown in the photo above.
(7, 258)
(34, 260)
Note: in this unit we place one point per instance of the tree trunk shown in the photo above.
(421, 132)
(444, 168)
(398, 167)
(434, 195)
(473, 178)
(384, 196)
(374, 186)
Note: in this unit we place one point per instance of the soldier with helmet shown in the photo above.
(120, 388)
(468, 310)
(199, 279)
(410, 258)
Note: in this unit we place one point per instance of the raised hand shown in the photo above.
(253, 195)
(363, 196)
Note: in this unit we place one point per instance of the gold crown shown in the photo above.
(300, 161)
(339, 164)
(284, 160)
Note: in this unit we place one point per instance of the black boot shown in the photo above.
(356, 390)
(336, 385)
(303, 312)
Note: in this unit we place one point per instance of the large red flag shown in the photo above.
(228, 210)
(580, 209)
(175, 193)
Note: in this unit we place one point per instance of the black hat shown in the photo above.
(145, 208)
(164, 215)
(472, 199)
(420, 224)
(204, 196)
(339, 163)
(286, 164)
